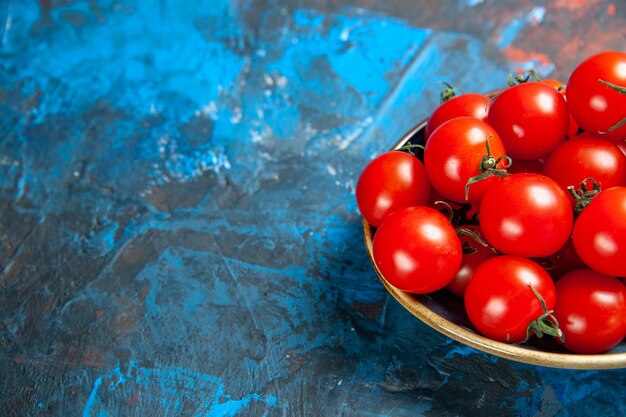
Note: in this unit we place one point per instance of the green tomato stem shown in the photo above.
(621, 90)
(489, 168)
(546, 323)
(409, 148)
(616, 126)
(447, 93)
(464, 231)
(618, 88)
(583, 195)
(447, 208)
(524, 77)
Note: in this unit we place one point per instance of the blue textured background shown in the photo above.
(178, 230)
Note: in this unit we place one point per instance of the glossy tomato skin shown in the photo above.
(583, 157)
(531, 119)
(621, 144)
(526, 215)
(391, 181)
(469, 104)
(597, 107)
(474, 254)
(599, 234)
(499, 299)
(454, 153)
(572, 125)
(591, 310)
(417, 250)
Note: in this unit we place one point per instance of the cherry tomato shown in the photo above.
(572, 125)
(597, 107)
(600, 232)
(474, 254)
(591, 311)
(417, 250)
(583, 157)
(500, 301)
(392, 180)
(531, 118)
(454, 153)
(469, 104)
(526, 215)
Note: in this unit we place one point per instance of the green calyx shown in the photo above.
(583, 195)
(524, 77)
(409, 147)
(464, 231)
(448, 92)
(488, 168)
(618, 88)
(546, 323)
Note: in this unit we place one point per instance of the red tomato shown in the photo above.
(591, 311)
(572, 125)
(583, 157)
(474, 254)
(454, 153)
(390, 181)
(531, 119)
(600, 232)
(500, 301)
(597, 107)
(469, 104)
(417, 250)
(526, 215)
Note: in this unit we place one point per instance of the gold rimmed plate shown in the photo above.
(445, 313)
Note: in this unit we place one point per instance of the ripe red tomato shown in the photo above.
(453, 155)
(596, 106)
(583, 157)
(591, 310)
(600, 232)
(474, 254)
(531, 118)
(526, 215)
(392, 180)
(572, 125)
(417, 250)
(500, 301)
(469, 104)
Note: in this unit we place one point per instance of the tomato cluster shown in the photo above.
(516, 202)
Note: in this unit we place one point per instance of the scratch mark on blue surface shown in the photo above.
(473, 3)
(93, 399)
(171, 390)
(8, 21)
(510, 32)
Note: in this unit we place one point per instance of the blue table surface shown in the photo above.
(178, 229)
